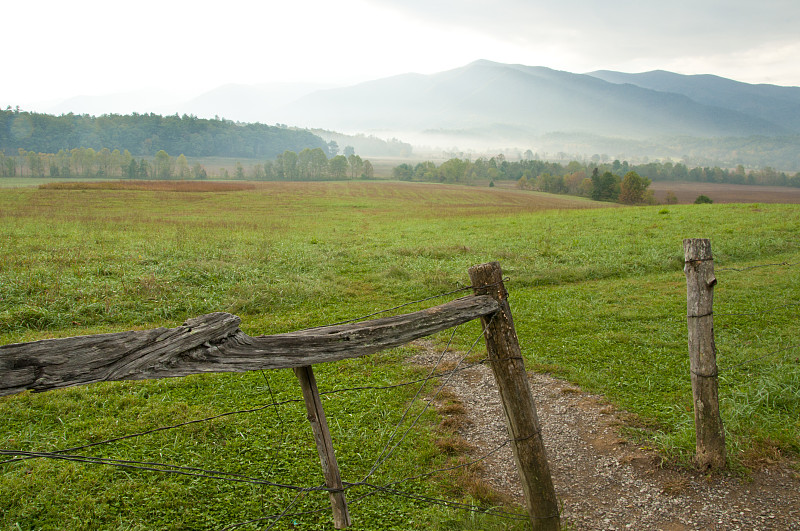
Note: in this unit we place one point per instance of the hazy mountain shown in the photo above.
(486, 105)
(247, 103)
(779, 105)
(242, 103)
(489, 100)
(120, 103)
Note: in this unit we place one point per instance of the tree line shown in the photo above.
(86, 162)
(144, 135)
(314, 165)
(307, 165)
(581, 178)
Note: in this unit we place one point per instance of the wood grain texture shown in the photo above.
(700, 282)
(322, 437)
(214, 343)
(506, 361)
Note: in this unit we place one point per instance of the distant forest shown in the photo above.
(144, 135)
(575, 178)
(308, 165)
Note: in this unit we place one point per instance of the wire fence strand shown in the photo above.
(398, 435)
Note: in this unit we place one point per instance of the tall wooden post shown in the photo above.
(700, 282)
(521, 418)
(322, 436)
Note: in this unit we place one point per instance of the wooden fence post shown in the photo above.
(521, 418)
(700, 282)
(322, 436)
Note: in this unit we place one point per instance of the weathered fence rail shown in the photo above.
(215, 343)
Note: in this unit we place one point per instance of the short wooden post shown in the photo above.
(521, 418)
(322, 436)
(700, 282)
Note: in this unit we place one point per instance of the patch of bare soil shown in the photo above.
(604, 481)
(725, 193)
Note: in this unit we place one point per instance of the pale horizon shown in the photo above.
(185, 49)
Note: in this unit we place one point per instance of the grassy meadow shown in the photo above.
(597, 291)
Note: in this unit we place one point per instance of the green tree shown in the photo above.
(605, 187)
(9, 168)
(633, 188)
(333, 148)
(403, 172)
(269, 170)
(239, 172)
(104, 162)
(319, 163)
(453, 170)
(287, 166)
(425, 171)
(163, 164)
(703, 200)
(337, 167)
(35, 164)
(88, 158)
(125, 163)
(145, 170)
(199, 172)
(182, 167)
(369, 171)
(356, 166)
(132, 171)
(62, 159)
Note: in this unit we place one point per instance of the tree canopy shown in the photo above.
(144, 135)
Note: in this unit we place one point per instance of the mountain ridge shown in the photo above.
(775, 103)
(539, 99)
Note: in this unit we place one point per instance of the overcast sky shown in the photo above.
(55, 49)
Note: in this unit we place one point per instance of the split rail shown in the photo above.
(215, 343)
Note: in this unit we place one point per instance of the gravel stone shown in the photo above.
(604, 481)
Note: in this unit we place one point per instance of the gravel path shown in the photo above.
(605, 482)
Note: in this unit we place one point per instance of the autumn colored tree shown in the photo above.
(633, 188)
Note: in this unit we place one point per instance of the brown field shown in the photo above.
(152, 186)
(725, 193)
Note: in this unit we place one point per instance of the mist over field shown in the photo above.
(486, 107)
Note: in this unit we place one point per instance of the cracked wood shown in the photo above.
(214, 343)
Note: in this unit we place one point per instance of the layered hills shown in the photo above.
(516, 102)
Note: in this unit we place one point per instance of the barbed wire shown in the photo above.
(243, 411)
(387, 453)
(389, 449)
(273, 404)
(457, 505)
(383, 488)
(771, 309)
(165, 468)
(164, 428)
(784, 264)
(418, 301)
(273, 516)
(67, 454)
(753, 360)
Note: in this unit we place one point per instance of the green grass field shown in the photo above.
(598, 296)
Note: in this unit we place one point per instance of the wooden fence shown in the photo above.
(700, 282)
(214, 343)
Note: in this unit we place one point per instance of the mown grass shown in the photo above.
(598, 296)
